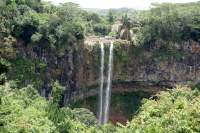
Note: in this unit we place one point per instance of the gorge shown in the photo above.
(64, 69)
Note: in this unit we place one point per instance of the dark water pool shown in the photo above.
(122, 108)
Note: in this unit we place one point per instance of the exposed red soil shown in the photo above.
(117, 117)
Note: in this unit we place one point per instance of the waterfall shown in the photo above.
(105, 100)
(108, 88)
(101, 84)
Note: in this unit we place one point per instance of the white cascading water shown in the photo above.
(105, 100)
(101, 84)
(108, 88)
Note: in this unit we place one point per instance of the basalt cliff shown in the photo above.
(149, 68)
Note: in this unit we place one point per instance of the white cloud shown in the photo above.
(104, 4)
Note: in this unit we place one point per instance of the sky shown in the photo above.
(105, 4)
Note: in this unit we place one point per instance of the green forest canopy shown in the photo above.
(33, 22)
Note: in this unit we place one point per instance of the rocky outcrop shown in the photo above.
(117, 27)
(120, 87)
(78, 65)
(61, 64)
(149, 66)
(122, 31)
(126, 34)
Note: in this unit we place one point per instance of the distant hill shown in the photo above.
(116, 11)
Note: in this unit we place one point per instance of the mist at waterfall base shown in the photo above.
(104, 95)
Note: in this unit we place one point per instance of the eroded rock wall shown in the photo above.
(77, 66)
(179, 65)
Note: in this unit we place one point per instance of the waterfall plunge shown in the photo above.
(105, 100)
(101, 85)
(108, 88)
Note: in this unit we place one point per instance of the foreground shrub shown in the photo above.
(175, 111)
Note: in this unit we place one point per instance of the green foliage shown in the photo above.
(85, 116)
(166, 54)
(25, 71)
(69, 12)
(23, 111)
(126, 21)
(93, 17)
(197, 86)
(176, 111)
(121, 52)
(4, 68)
(32, 23)
(113, 34)
(60, 117)
(102, 29)
(6, 47)
(35, 4)
(166, 24)
(57, 92)
(110, 17)
(36, 37)
(169, 22)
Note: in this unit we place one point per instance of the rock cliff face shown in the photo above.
(77, 66)
(61, 64)
(177, 66)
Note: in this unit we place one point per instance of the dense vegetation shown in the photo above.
(23, 110)
(169, 22)
(175, 111)
(38, 25)
(33, 23)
